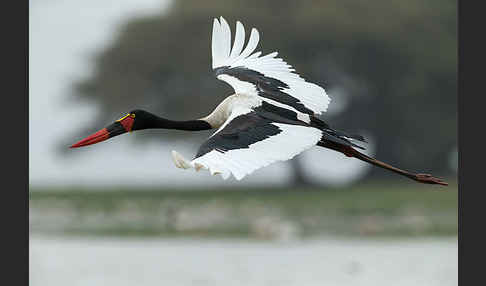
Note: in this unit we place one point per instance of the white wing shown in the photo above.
(268, 76)
(248, 141)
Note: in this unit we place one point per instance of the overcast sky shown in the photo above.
(63, 35)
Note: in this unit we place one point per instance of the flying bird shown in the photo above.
(272, 115)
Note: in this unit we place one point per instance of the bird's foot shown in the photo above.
(429, 179)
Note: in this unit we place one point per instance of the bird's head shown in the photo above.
(133, 120)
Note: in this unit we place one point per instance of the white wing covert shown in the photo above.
(268, 77)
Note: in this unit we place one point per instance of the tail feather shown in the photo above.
(343, 138)
(347, 136)
(340, 138)
(357, 137)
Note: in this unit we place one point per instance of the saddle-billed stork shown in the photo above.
(271, 117)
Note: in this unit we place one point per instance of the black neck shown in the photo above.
(190, 125)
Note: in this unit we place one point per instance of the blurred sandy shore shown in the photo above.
(284, 214)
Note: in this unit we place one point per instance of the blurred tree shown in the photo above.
(393, 61)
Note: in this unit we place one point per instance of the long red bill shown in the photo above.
(99, 136)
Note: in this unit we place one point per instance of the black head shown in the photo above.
(142, 119)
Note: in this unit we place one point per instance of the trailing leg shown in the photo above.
(351, 152)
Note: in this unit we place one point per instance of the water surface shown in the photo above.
(120, 262)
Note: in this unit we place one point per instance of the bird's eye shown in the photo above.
(132, 115)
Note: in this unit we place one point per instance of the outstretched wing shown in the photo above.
(268, 76)
(247, 141)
